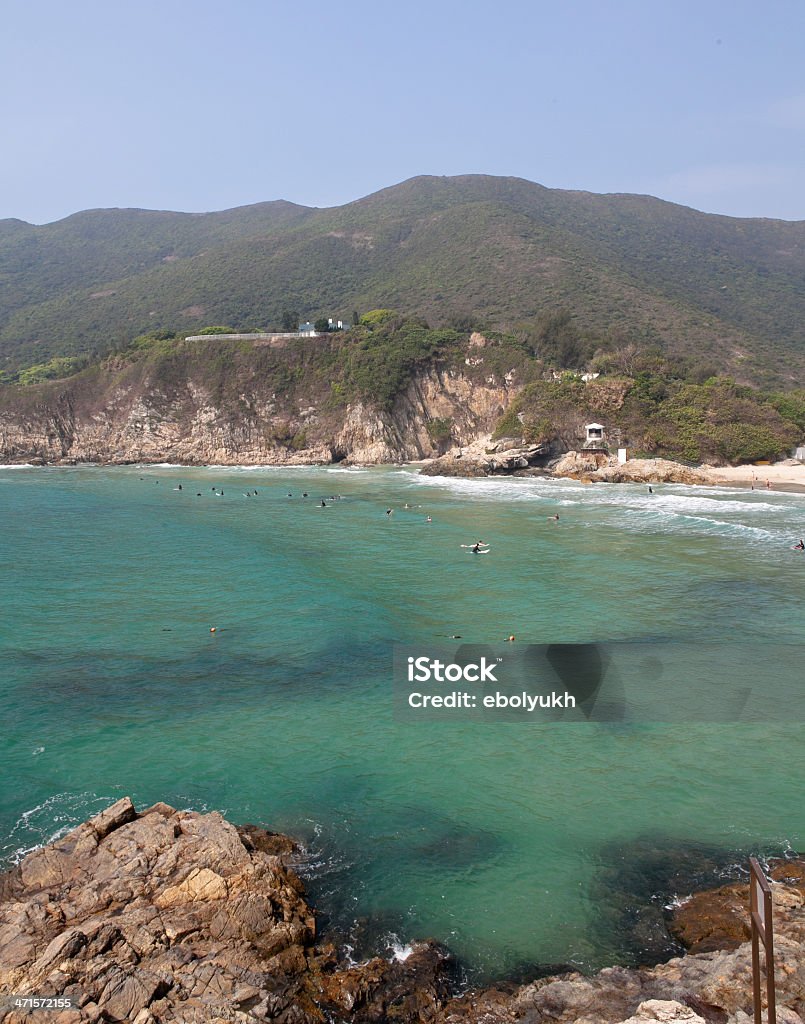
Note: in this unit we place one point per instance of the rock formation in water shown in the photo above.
(175, 916)
(172, 916)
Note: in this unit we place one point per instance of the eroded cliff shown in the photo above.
(123, 413)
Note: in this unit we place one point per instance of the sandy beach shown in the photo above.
(780, 477)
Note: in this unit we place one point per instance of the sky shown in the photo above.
(193, 105)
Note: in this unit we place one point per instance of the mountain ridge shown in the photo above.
(498, 251)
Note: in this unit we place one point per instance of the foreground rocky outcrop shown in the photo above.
(172, 915)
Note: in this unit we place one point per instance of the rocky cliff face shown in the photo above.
(108, 421)
(174, 916)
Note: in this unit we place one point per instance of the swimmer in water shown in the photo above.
(428, 520)
(323, 504)
(389, 511)
(800, 546)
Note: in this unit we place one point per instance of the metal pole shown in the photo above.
(771, 997)
(760, 913)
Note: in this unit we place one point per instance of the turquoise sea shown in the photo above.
(514, 844)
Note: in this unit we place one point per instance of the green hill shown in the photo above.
(498, 252)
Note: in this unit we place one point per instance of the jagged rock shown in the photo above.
(712, 920)
(665, 1012)
(174, 916)
(411, 989)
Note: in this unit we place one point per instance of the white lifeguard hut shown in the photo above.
(595, 437)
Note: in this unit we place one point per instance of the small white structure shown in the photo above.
(587, 377)
(800, 453)
(623, 456)
(595, 435)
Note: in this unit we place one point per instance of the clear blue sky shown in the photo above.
(194, 105)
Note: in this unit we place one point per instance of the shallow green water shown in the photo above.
(513, 844)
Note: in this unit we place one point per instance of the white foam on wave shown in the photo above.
(652, 518)
(399, 950)
(19, 465)
(281, 469)
(677, 901)
(49, 821)
(511, 489)
(699, 503)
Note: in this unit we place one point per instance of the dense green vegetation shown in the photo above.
(498, 253)
(658, 405)
(659, 414)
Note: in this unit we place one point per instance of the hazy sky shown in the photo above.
(194, 105)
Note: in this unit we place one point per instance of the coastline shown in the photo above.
(166, 914)
(787, 476)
